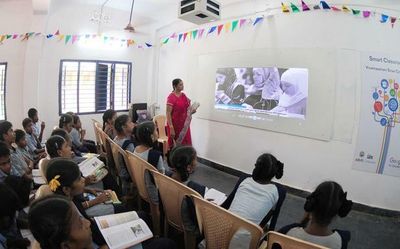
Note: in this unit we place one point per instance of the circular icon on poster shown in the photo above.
(375, 95)
(383, 121)
(384, 84)
(393, 104)
(378, 106)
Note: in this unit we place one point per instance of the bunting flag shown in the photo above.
(148, 45)
(67, 38)
(74, 38)
(105, 39)
(212, 29)
(227, 27)
(304, 6)
(57, 32)
(392, 20)
(166, 41)
(345, 9)
(184, 36)
(335, 8)
(49, 36)
(325, 6)
(285, 8)
(366, 13)
(242, 22)
(194, 34)
(15, 37)
(258, 20)
(201, 32)
(355, 12)
(234, 25)
(316, 7)
(220, 28)
(26, 37)
(8, 36)
(173, 36)
(61, 37)
(2, 38)
(180, 37)
(384, 18)
(294, 8)
(190, 35)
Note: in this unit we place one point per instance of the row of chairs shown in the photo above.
(218, 225)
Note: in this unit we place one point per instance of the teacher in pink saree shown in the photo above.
(179, 115)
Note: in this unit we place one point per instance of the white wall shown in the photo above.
(307, 161)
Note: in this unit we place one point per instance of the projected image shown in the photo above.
(268, 90)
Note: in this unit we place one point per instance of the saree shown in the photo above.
(180, 119)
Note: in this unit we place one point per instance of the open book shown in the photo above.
(123, 230)
(93, 166)
(215, 196)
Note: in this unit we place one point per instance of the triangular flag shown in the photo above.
(139, 46)
(105, 39)
(173, 36)
(234, 25)
(201, 32)
(366, 13)
(212, 29)
(184, 36)
(392, 20)
(15, 36)
(30, 34)
(294, 8)
(61, 37)
(57, 32)
(335, 8)
(345, 9)
(304, 6)
(384, 18)
(355, 12)
(227, 27)
(130, 42)
(258, 20)
(94, 36)
(87, 36)
(148, 45)
(194, 34)
(190, 35)
(74, 38)
(67, 38)
(26, 37)
(8, 36)
(285, 8)
(22, 35)
(166, 41)
(325, 6)
(220, 28)
(49, 36)
(2, 37)
(316, 7)
(180, 37)
(242, 22)
(37, 34)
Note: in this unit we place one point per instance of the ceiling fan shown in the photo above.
(130, 27)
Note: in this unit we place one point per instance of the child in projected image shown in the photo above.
(294, 86)
(228, 89)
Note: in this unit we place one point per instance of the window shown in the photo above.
(94, 86)
(3, 74)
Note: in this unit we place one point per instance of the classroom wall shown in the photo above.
(307, 161)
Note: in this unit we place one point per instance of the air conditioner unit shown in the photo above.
(199, 11)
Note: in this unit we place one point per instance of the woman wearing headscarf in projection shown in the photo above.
(228, 91)
(294, 84)
(265, 91)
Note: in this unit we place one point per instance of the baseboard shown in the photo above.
(301, 193)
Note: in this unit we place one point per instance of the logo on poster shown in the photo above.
(393, 162)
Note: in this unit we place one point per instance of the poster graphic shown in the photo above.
(378, 146)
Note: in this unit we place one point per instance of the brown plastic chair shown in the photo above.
(160, 121)
(115, 153)
(287, 242)
(218, 225)
(43, 165)
(137, 168)
(172, 193)
(96, 125)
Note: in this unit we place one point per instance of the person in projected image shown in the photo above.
(229, 90)
(266, 91)
(294, 86)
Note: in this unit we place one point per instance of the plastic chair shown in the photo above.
(172, 194)
(43, 164)
(160, 121)
(219, 225)
(287, 242)
(43, 191)
(137, 168)
(96, 125)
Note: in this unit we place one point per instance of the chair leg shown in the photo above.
(165, 227)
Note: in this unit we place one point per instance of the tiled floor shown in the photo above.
(367, 231)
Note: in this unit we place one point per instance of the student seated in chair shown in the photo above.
(321, 207)
(23, 150)
(65, 179)
(109, 117)
(37, 127)
(5, 162)
(33, 143)
(78, 137)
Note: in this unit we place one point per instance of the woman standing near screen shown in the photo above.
(179, 114)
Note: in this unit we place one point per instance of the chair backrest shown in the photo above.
(220, 225)
(115, 154)
(287, 242)
(97, 125)
(172, 193)
(273, 214)
(136, 168)
(43, 191)
(160, 121)
(43, 164)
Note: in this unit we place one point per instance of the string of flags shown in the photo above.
(234, 25)
(72, 39)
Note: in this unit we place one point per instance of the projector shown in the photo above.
(199, 11)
